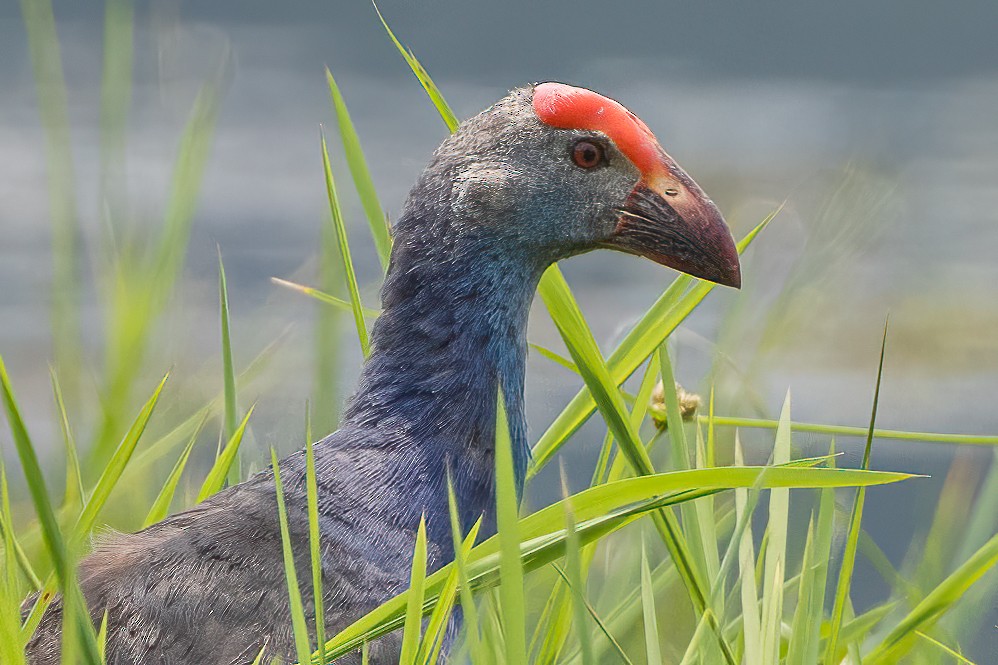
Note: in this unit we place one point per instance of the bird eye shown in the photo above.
(587, 154)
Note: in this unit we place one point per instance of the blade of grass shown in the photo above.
(652, 649)
(845, 430)
(751, 624)
(507, 512)
(779, 507)
(597, 619)
(228, 373)
(324, 297)
(72, 499)
(14, 552)
(822, 553)
(343, 245)
(555, 358)
(800, 627)
(215, 479)
(102, 638)
(361, 175)
(446, 114)
(11, 644)
(161, 505)
(436, 628)
(628, 612)
(116, 465)
(314, 540)
(576, 582)
(299, 628)
(468, 608)
(680, 454)
(959, 658)
(852, 538)
(934, 605)
(414, 605)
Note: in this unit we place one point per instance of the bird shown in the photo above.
(549, 171)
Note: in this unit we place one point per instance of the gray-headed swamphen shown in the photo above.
(547, 172)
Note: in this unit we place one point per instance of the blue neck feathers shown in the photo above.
(452, 331)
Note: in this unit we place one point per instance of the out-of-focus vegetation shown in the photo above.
(675, 552)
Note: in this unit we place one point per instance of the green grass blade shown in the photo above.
(677, 433)
(751, 623)
(215, 479)
(576, 582)
(846, 430)
(800, 626)
(436, 628)
(231, 419)
(72, 499)
(653, 650)
(116, 465)
(102, 638)
(414, 605)
(949, 651)
(324, 297)
(424, 78)
(361, 175)
(822, 554)
(604, 630)
(706, 521)
(259, 656)
(356, 305)
(680, 455)
(468, 608)
(15, 556)
(314, 538)
(511, 570)
(555, 357)
(776, 553)
(935, 604)
(161, 505)
(299, 627)
(11, 644)
(852, 538)
(670, 310)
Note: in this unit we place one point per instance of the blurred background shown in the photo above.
(873, 124)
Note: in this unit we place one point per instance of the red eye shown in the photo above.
(587, 154)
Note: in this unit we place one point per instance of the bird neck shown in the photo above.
(452, 332)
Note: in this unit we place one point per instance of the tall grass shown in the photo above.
(662, 558)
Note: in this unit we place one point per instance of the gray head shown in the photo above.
(554, 170)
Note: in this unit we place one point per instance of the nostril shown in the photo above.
(671, 191)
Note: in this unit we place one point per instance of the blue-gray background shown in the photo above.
(875, 122)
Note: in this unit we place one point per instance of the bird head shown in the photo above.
(555, 170)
